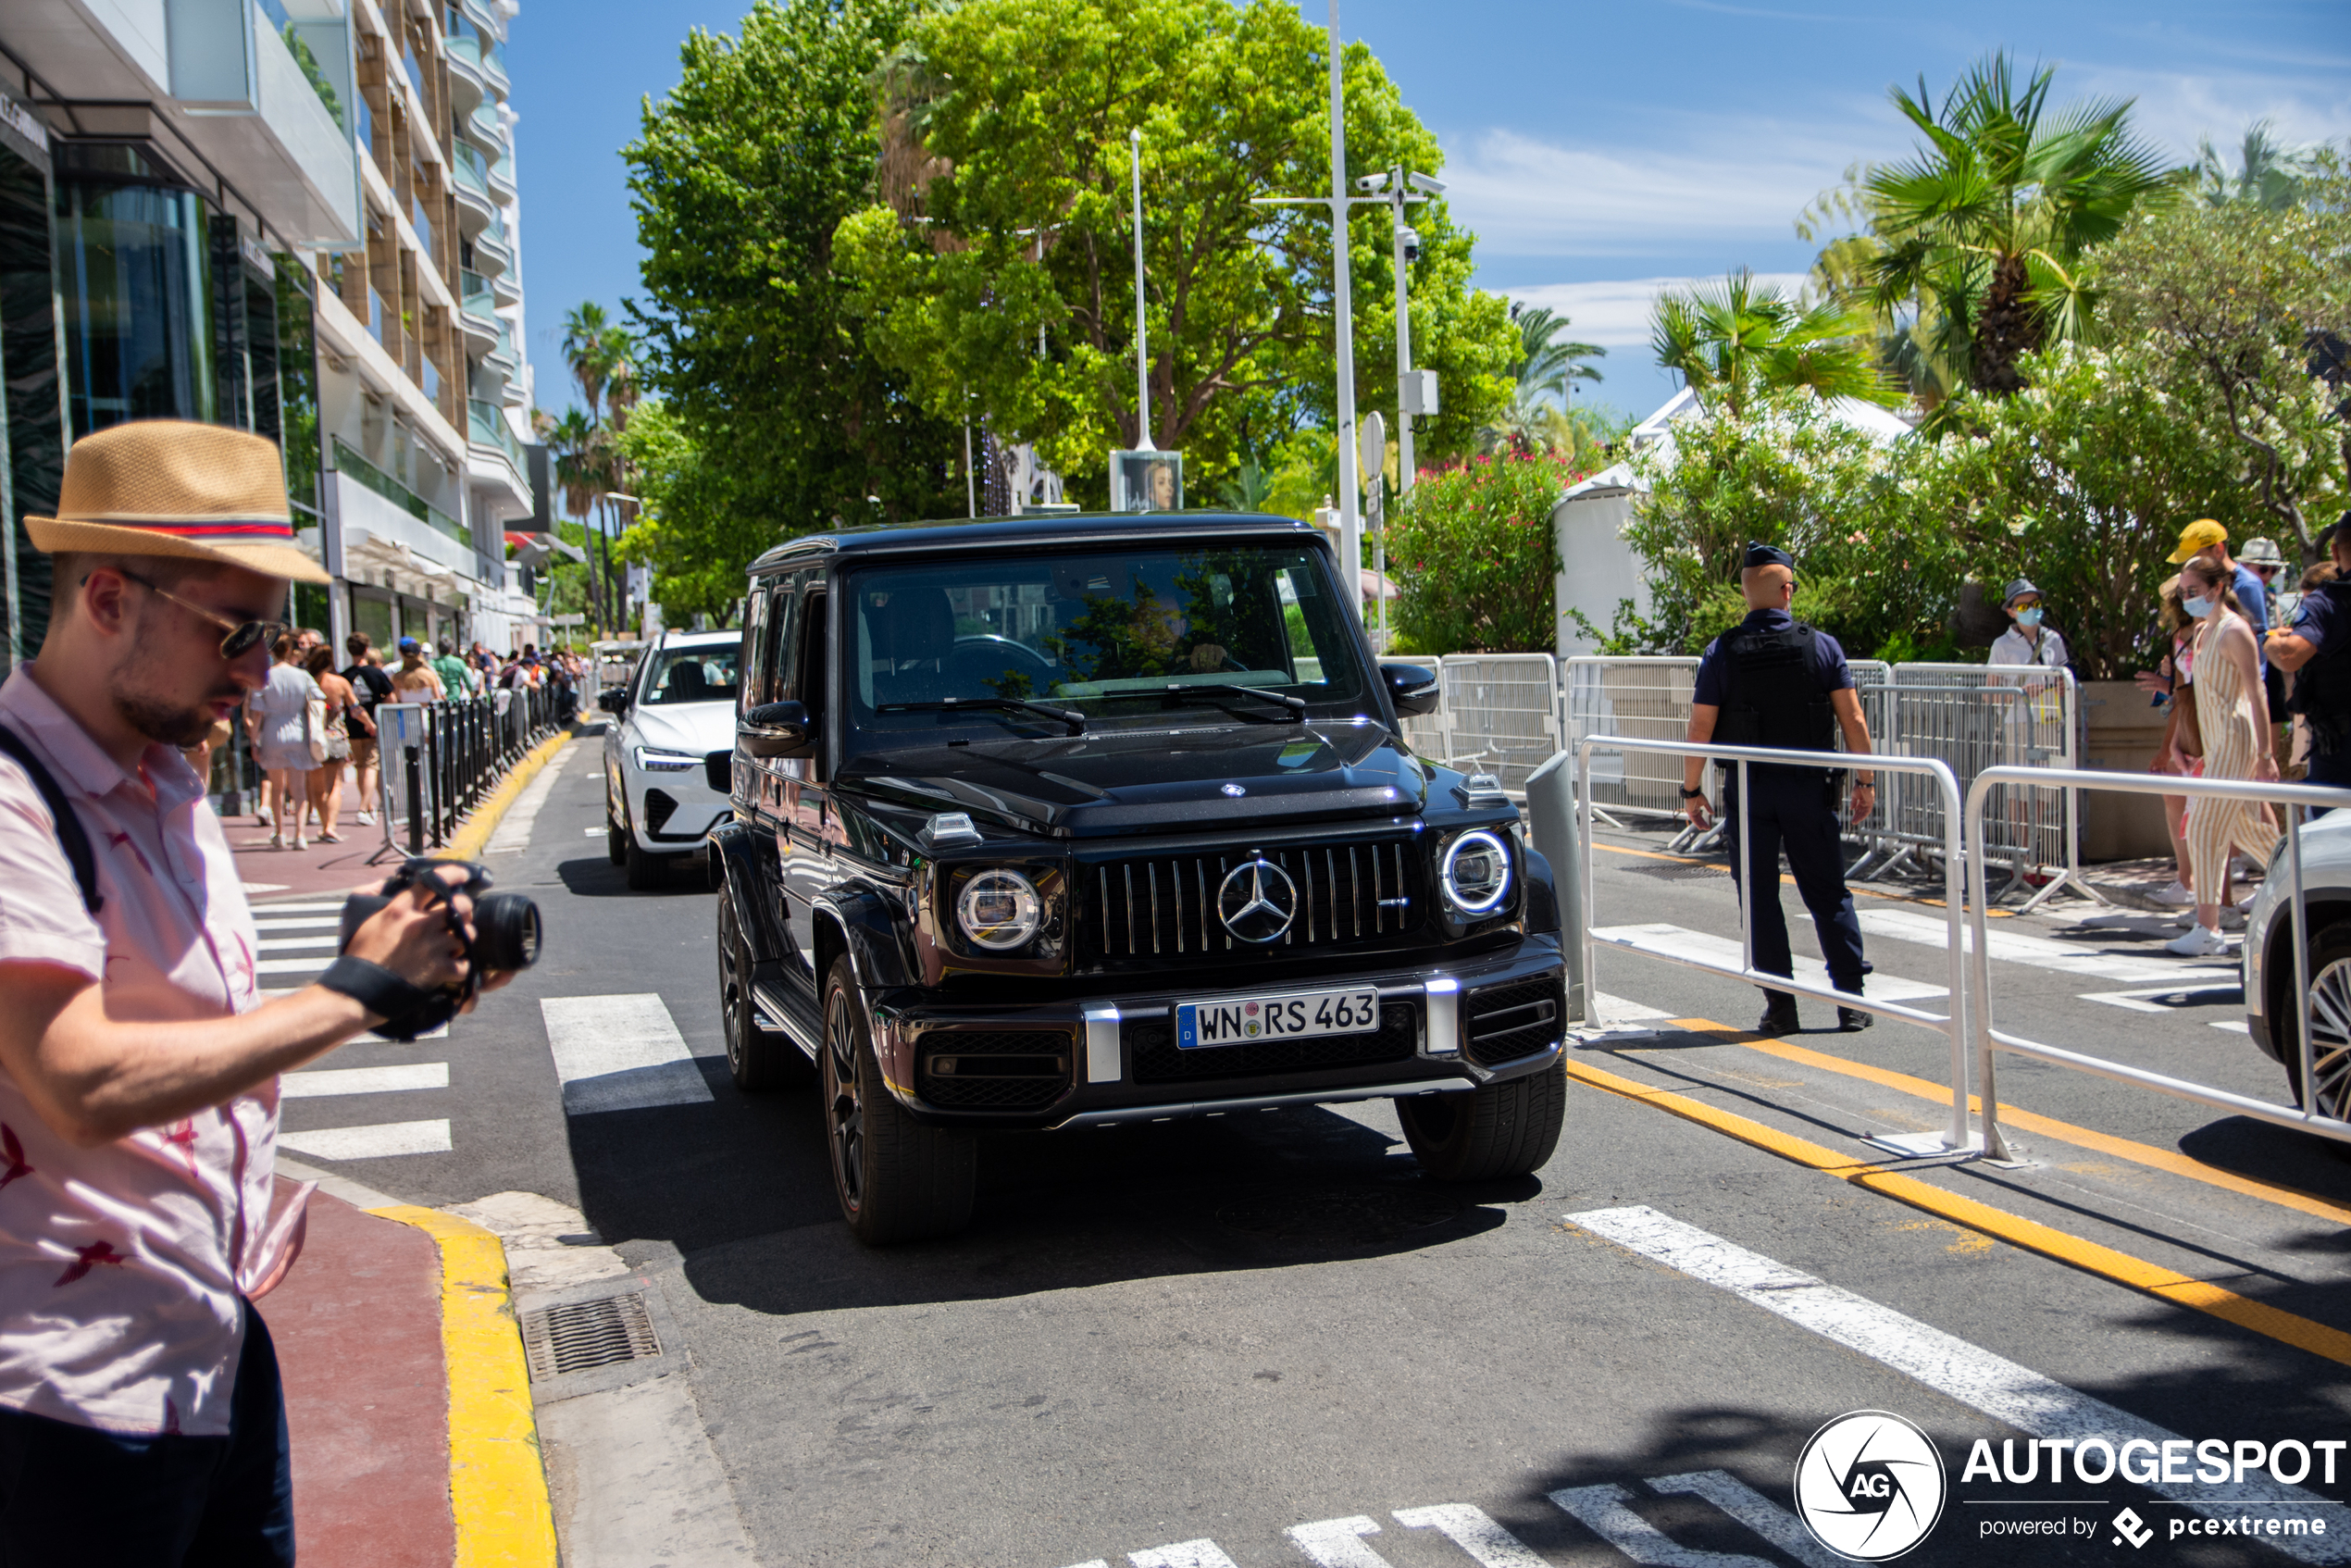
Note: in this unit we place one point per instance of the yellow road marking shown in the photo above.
(473, 834)
(2075, 1251)
(497, 1485)
(2146, 1155)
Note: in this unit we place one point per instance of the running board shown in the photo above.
(776, 1015)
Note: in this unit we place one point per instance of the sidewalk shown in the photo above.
(358, 1330)
(320, 868)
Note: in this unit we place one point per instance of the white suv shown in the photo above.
(668, 720)
(2272, 1009)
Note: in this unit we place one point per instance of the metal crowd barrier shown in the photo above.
(1979, 717)
(1645, 698)
(438, 760)
(1989, 1037)
(1953, 1024)
(1501, 714)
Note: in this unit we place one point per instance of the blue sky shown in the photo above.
(1596, 150)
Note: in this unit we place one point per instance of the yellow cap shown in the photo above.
(2196, 538)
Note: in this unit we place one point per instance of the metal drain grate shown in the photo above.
(581, 1335)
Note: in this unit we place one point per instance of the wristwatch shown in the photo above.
(1693, 794)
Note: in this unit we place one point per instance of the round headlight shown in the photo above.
(999, 910)
(1477, 873)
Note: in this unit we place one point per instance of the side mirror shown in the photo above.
(613, 700)
(1412, 688)
(776, 729)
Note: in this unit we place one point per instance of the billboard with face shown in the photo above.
(1146, 481)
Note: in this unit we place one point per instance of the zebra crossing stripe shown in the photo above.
(2038, 1406)
(319, 1083)
(379, 1141)
(620, 1053)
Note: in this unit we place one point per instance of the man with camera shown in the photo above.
(140, 1419)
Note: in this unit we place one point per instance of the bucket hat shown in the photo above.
(169, 487)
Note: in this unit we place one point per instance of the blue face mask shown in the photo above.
(2197, 608)
(2029, 618)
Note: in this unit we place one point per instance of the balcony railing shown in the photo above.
(367, 124)
(399, 495)
(376, 316)
(473, 169)
(423, 225)
(474, 296)
(493, 62)
(416, 72)
(485, 425)
(432, 380)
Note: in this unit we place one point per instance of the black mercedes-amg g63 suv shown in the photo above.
(1056, 821)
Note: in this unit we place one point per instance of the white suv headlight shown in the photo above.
(1477, 873)
(1000, 910)
(651, 761)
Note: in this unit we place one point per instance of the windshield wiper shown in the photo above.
(1070, 717)
(1297, 705)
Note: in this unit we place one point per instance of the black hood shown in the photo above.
(1150, 779)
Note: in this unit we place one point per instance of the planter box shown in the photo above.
(2122, 735)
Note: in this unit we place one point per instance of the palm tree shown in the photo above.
(581, 452)
(1546, 366)
(587, 335)
(2270, 175)
(1738, 338)
(1984, 228)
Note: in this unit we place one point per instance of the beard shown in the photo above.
(139, 690)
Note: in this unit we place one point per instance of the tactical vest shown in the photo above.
(1770, 697)
(2322, 687)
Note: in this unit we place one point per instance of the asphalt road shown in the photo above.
(1267, 1339)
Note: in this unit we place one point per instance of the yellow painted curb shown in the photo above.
(497, 1485)
(473, 834)
(2164, 1284)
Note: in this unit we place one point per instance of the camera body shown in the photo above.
(506, 935)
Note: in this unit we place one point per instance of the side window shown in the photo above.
(809, 638)
(753, 659)
(783, 640)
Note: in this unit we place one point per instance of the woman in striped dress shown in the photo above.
(2232, 712)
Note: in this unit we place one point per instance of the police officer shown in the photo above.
(1775, 681)
(2317, 651)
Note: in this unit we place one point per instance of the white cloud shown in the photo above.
(1527, 197)
(1615, 315)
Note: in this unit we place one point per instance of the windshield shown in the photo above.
(694, 675)
(1104, 634)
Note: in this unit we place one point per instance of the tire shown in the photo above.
(896, 1180)
(1504, 1129)
(2330, 1003)
(615, 838)
(645, 872)
(757, 1059)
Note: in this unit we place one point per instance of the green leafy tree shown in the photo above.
(2269, 175)
(2243, 300)
(689, 528)
(741, 177)
(2081, 482)
(1736, 340)
(1477, 558)
(1984, 228)
(1010, 222)
(1787, 471)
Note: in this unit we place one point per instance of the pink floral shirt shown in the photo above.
(121, 1267)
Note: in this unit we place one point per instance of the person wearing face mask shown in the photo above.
(2232, 717)
(2036, 717)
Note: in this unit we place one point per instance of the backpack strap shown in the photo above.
(71, 835)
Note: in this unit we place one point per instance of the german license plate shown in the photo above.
(1291, 1015)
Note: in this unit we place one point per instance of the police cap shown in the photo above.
(1766, 555)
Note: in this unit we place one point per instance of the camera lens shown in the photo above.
(505, 932)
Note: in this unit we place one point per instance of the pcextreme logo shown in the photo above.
(1869, 1485)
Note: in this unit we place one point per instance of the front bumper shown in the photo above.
(682, 825)
(1441, 1031)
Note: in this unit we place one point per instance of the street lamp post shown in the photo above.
(1142, 363)
(1350, 545)
(1398, 187)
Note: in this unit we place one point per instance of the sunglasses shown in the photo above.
(242, 637)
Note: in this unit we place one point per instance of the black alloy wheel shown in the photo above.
(756, 1058)
(896, 1180)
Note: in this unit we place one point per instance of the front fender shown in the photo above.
(874, 930)
(739, 866)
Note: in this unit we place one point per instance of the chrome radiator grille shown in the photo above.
(1164, 906)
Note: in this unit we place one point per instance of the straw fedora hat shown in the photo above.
(167, 487)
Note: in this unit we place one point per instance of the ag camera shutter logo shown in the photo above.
(1869, 1485)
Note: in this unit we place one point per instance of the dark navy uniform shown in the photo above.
(1769, 681)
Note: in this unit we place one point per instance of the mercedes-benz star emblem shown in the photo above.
(1257, 900)
(1235, 790)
